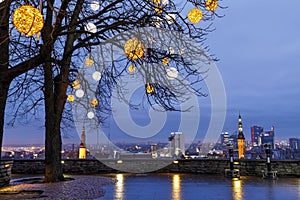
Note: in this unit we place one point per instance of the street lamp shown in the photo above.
(269, 173)
(231, 172)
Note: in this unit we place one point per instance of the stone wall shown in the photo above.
(5, 171)
(204, 166)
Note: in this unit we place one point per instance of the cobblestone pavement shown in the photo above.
(81, 188)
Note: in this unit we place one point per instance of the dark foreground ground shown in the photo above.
(75, 187)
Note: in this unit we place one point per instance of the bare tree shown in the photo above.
(71, 30)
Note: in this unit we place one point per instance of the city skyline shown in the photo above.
(258, 62)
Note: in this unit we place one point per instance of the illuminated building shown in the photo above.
(82, 147)
(256, 135)
(224, 138)
(241, 139)
(82, 151)
(294, 143)
(176, 144)
(259, 137)
(267, 137)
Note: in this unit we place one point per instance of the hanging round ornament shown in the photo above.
(96, 76)
(149, 88)
(76, 84)
(70, 98)
(90, 115)
(165, 2)
(159, 9)
(165, 61)
(131, 68)
(211, 5)
(172, 73)
(88, 62)
(195, 15)
(134, 49)
(170, 18)
(95, 5)
(94, 102)
(79, 93)
(90, 27)
(28, 20)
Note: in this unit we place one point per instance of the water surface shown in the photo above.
(192, 186)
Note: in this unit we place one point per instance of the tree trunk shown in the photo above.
(3, 96)
(55, 98)
(4, 63)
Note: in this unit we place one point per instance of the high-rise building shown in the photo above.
(241, 139)
(256, 132)
(224, 138)
(267, 137)
(259, 137)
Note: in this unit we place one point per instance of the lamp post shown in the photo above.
(268, 156)
(231, 172)
(268, 173)
(230, 149)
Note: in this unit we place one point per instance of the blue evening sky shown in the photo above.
(258, 44)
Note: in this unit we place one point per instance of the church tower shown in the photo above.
(241, 139)
(82, 147)
(83, 136)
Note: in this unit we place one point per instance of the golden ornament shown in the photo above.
(76, 84)
(158, 9)
(211, 5)
(134, 49)
(149, 88)
(195, 15)
(88, 62)
(156, 1)
(70, 98)
(165, 61)
(94, 102)
(28, 20)
(131, 68)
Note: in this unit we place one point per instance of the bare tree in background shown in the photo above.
(68, 37)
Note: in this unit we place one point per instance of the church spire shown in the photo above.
(240, 128)
(241, 139)
(83, 138)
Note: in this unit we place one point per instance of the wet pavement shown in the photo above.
(76, 187)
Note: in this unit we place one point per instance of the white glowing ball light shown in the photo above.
(96, 76)
(165, 2)
(181, 52)
(157, 22)
(79, 93)
(171, 50)
(90, 27)
(90, 115)
(170, 18)
(172, 73)
(95, 5)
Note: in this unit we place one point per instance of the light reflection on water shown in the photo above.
(176, 191)
(193, 186)
(119, 186)
(237, 189)
(299, 187)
